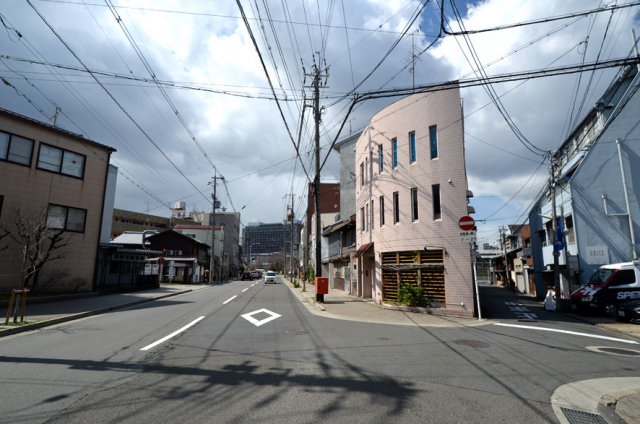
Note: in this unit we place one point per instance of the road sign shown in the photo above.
(466, 223)
(468, 237)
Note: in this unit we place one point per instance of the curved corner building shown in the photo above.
(411, 190)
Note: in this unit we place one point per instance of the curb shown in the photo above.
(73, 317)
(302, 295)
(600, 325)
(51, 299)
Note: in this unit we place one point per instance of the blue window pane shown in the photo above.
(433, 136)
(412, 143)
(395, 152)
(381, 159)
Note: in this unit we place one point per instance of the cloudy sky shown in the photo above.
(214, 79)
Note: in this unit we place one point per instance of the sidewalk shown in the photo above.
(51, 313)
(340, 305)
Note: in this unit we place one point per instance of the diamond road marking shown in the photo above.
(257, 323)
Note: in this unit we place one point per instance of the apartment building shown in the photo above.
(411, 190)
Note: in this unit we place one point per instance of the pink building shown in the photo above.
(411, 190)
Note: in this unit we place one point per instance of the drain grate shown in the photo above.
(295, 332)
(472, 343)
(581, 417)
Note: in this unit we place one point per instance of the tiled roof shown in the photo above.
(129, 237)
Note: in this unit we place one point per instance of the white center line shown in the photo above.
(229, 300)
(568, 332)
(171, 335)
(245, 290)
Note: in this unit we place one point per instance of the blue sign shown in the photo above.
(559, 244)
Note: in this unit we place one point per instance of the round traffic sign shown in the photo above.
(466, 223)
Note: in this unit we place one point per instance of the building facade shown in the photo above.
(260, 238)
(124, 220)
(329, 214)
(231, 223)
(49, 172)
(411, 190)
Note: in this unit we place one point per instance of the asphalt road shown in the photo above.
(296, 367)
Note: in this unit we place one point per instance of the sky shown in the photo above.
(226, 116)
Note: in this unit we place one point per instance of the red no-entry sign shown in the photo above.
(466, 223)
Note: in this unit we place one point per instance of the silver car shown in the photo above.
(270, 277)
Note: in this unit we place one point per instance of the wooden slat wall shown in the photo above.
(432, 280)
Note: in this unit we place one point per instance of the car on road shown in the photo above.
(629, 311)
(270, 277)
(246, 276)
(255, 274)
(609, 286)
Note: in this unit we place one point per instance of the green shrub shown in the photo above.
(409, 295)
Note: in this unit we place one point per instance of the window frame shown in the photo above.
(1, 202)
(396, 207)
(362, 219)
(413, 157)
(33, 142)
(381, 211)
(437, 204)
(84, 162)
(433, 141)
(414, 204)
(372, 216)
(66, 218)
(394, 152)
(362, 174)
(381, 153)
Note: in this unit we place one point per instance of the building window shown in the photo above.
(396, 208)
(362, 174)
(381, 211)
(362, 219)
(433, 139)
(66, 218)
(568, 222)
(394, 144)
(435, 193)
(412, 146)
(15, 149)
(60, 161)
(372, 215)
(414, 204)
(381, 151)
(366, 212)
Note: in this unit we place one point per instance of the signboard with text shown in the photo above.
(468, 237)
(597, 255)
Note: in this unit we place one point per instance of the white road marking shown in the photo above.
(595, 336)
(245, 289)
(229, 300)
(257, 323)
(171, 335)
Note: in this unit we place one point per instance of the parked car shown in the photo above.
(609, 286)
(629, 311)
(270, 277)
(246, 276)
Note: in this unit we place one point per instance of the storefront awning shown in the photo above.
(362, 250)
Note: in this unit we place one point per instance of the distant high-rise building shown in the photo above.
(259, 238)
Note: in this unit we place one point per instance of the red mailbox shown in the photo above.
(322, 285)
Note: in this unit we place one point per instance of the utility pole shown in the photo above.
(213, 228)
(635, 46)
(503, 232)
(292, 233)
(554, 229)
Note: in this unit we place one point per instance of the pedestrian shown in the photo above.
(512, 285)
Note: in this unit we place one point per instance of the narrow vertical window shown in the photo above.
(381, 158)
(394, 144)
(366, 213)
(414, 204)
(433, 139)
(396, 208)
(381, 211)
(362, 219)
(435, 192)
(362, 175)
(412, 146)
(372, 215)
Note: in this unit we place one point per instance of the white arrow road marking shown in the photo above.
(257, 323)
(229, 300)
(595, 336)
(164, 339)
(245, 289)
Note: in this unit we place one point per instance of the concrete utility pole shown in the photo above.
(503, 236)
(291, 251)
(213, 228)
(554, 229)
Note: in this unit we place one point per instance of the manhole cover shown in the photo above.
(295, 332)
(472, 343)
(581, 417)
(614, 351)
(382, 338)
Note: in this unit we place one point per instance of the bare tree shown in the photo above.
(277, 261)
(35, 246)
